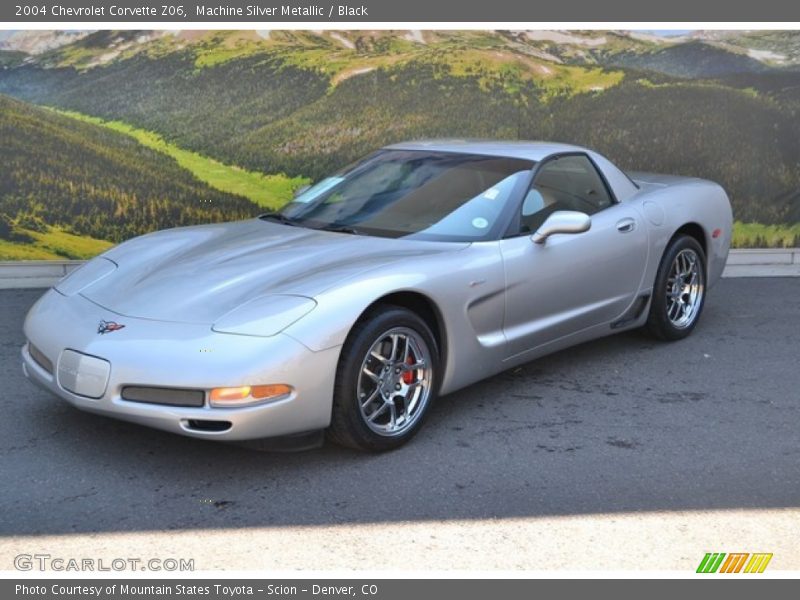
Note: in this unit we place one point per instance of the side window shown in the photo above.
(565, 183)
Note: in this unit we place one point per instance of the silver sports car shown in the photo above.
(413, 273)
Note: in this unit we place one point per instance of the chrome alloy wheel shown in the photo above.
(685, 288)
(394, 383)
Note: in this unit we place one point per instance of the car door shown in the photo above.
(571, 281)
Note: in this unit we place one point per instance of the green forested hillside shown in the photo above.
(11, 59)
(268, 191)
(693, 59)
(202, 110)
(384, 106)
(300, 104)
(743, 141)
(209, 96)
(732, 136)
(61, 177)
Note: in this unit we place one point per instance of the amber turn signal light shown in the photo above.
(247, 394)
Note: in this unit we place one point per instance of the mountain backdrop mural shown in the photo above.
(109, 134)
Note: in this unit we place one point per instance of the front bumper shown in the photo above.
(152, 353)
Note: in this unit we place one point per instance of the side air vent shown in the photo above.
(169, 396)
(633, 313)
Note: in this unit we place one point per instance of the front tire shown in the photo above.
(386, 380)
(680, 290)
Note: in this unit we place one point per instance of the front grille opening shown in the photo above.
(168, 396)
(205, 425)
(40, 359)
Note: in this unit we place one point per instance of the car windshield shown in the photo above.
(411, 193)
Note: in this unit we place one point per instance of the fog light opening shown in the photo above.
(248, 394)
(205, 425)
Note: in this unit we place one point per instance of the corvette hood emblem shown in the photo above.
(108, 326)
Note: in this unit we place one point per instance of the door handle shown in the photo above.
(626, 225)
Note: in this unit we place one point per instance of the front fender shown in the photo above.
(467, 288)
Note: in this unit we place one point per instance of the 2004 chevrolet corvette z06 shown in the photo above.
(419, 270)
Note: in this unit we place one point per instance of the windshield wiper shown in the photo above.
(341, 229)
(279, 217)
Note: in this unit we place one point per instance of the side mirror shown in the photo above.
(562, 221)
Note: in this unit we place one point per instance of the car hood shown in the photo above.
(197, 274)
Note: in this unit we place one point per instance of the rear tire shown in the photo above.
(386, 380)
(680, 290)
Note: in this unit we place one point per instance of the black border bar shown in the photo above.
(392, 11)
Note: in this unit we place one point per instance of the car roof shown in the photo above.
(620, 183)
(528, 150)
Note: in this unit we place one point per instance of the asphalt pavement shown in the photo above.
(584, 459)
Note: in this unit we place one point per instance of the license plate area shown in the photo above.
(82, 374)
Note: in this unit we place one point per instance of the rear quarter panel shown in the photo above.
(670, 202)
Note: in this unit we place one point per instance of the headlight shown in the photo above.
(86, 275)
(265, 316)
